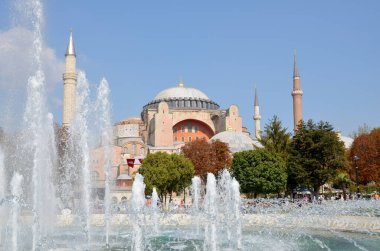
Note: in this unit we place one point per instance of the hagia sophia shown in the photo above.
(175, 116)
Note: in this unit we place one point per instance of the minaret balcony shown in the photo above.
(70, 75)
(256, 117)
(297, 92)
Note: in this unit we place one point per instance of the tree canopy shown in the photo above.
(168, 173)
(208, 157)
(275, 138)
(367, 147)
(315, 155)
(342, 180)
(259, 171)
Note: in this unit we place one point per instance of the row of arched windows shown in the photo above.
(186, 103)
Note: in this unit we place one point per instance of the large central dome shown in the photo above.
(180, 97)
(181, 92)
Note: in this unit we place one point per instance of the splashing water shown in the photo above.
(210, 210)
(16, 193)
(224, 201)
(103, 107)
(196, 192)
(3, 182)
(155, 211)
(196, 196)
(79, 134)
(236, 203)
(37, 124)
(138, 203)
(3, 185)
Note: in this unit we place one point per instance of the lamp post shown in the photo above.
(356, 158)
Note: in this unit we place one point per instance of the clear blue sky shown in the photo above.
(225, 48)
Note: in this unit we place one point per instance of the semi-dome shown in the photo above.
(347, 141)
(236, 141)
(181, 92)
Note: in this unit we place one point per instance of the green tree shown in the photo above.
(275, 138)
(259, 172)
(186, 171)
(315, 155)
(168, 173)
(343, 181)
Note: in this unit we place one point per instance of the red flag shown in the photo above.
(131, 162)
(141, 160)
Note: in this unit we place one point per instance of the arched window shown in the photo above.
(134, 149)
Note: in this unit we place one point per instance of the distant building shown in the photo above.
(175, 116)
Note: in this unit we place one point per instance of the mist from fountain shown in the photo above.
(138, 203)
(210, 210)
(222, 211)
(224, 201)
(196, 192)
(236, 204)
(16, 183)
(155, 211)
(37, 124)
(103, 108)
(3, 183)
(79, 133)
(3, 187)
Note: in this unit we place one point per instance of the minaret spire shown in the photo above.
(256, 98)
(69, 83)
(295, 70)
(257, 116)
(297, 95)
(70, 47)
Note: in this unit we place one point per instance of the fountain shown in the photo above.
(38, 127)
(103, 107)
(196, 192)
(211, 214)
(3, 184)
(155, 211)
(41, 210)
(138, 203)
(16, 193)
(80, 124)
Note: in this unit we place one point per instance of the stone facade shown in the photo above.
(175, 116)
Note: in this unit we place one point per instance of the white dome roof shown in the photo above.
(347, 141)
(236, 141)
(181, 92)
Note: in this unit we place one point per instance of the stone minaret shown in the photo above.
(257, 117)
(69, 83)
(297, 94)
